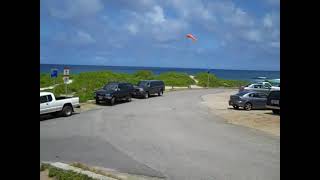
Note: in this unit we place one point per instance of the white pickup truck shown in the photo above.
(62, 105)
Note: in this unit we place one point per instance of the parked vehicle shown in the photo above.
(273, 101)
(113, 92)
(147, 87)
(248, 100)
(57, 105)
(258, 87)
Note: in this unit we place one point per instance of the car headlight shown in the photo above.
(140, 89)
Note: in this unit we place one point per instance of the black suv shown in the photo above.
(113, 92)
(273, 101)
(147, 87)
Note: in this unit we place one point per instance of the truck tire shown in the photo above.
(97, 101)
(146, 95)
(67, 111)
(112, 101)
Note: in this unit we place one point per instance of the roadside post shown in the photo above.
(66, 74)
(208, 79)
(54, 74)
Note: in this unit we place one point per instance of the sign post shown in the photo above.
(54, 74)
(66, 73)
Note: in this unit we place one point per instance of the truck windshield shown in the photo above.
(142, 83)
(110, 87)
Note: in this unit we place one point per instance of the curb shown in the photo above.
(67, 167)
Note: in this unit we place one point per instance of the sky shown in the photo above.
(231, 34)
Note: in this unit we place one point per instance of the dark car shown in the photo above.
(273, 101)
(147, 87)
(113, 92)
(248, 100)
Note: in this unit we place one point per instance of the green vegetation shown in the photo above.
(216, 82)
(86, 168)
(84, 84)
(176, 79)
(46, 80)
(60, 174)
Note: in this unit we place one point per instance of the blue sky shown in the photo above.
(232, 34)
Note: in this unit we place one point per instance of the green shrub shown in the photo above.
(175, 79)
(144, 75)
(216, 82)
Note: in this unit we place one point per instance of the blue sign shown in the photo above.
(54, 73)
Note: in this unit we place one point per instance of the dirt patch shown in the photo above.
(44, 175)
(263, 120)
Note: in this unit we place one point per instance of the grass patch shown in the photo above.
(60, 174)
(217, 82)
(46, 80)
(97, 171)
(84, 84)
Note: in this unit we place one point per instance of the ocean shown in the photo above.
(247, 75)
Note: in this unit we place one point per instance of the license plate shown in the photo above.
(100, 97)
(274, 101)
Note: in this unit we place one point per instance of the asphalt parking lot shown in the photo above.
(173, 136)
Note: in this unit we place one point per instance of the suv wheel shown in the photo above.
(235, 107)
(276, 111)
(146, 95)
(160, 93)
(112, 101)
(129, 98)
(248, 106)
(97, 101)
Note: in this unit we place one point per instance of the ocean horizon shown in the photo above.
(221, 73)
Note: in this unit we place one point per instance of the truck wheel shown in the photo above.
(67, 111)
(112, 101)
(146, 95)
(235, 107)
(248, 106)
(97, 102)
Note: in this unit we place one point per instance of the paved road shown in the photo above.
(174, 136)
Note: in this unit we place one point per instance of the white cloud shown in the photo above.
(239, 17)
(170, 30)
(253, 35)
(156, 16)
(132, 28)
(69, 9)
(83, 38)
